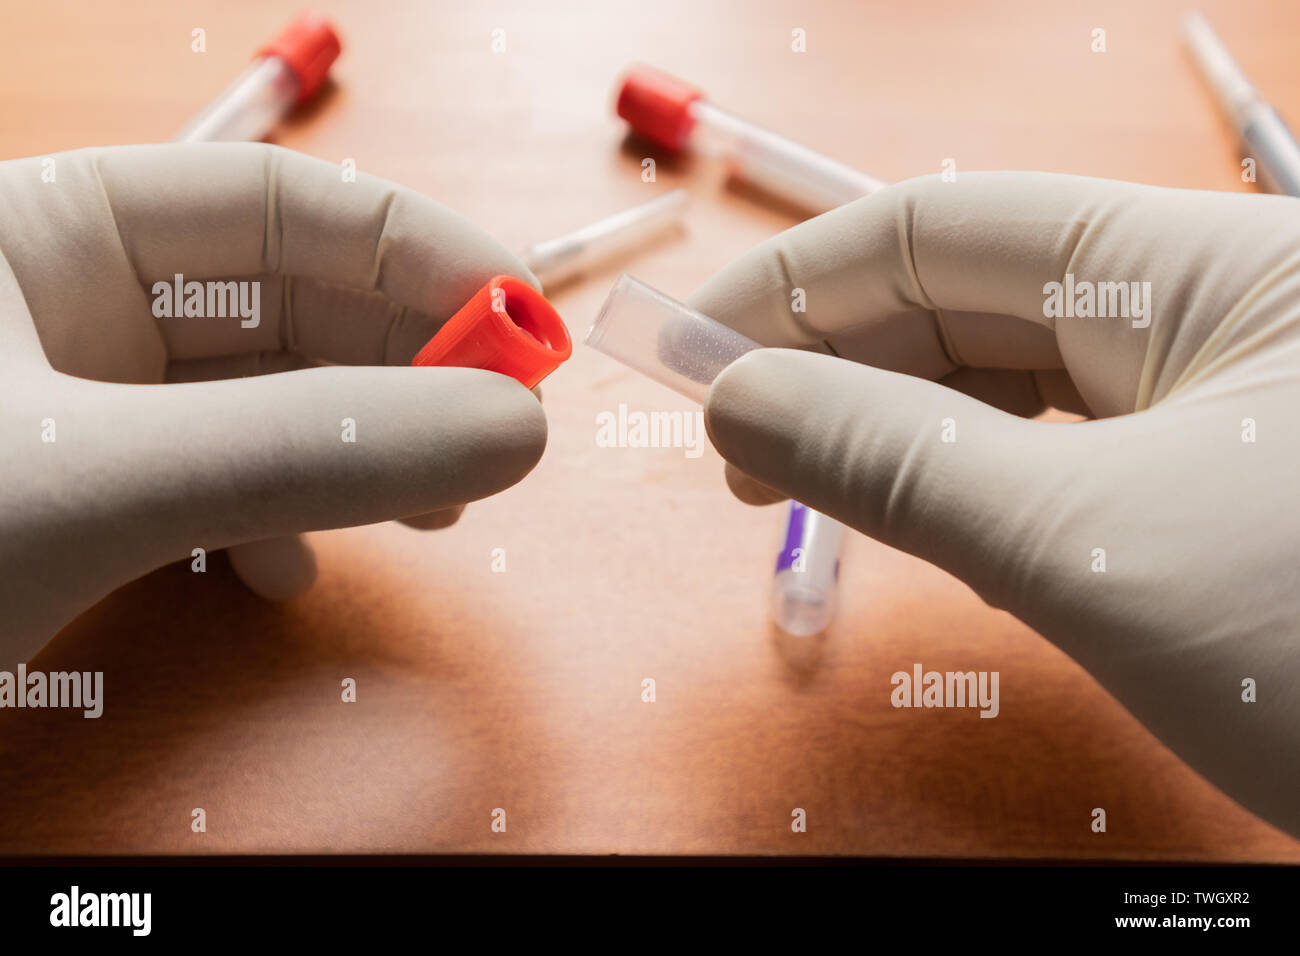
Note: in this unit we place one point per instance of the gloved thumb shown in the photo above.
(237, 460)
(918, 466)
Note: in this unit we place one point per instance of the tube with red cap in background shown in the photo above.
(291, 68)
(675, 115)
(285, 73)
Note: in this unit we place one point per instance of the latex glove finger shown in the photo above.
(1018, 393)
(143, 214)
(864, 446)
(749, 489)
(353, 271)
(1110, 538)
(278, 569)
(928, 276)
(434, 520)
(235, 461)
(1158, 549)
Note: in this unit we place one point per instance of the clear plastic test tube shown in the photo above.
(677, 116)
(555, 260)
(664, 339)
(287, 72)
(805, 589)
(686, 350)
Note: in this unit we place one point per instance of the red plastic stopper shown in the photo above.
(507, 327)
(657, 106)
(309, 45)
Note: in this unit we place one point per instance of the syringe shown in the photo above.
(675, 115)
(286, 72)
(686, 350)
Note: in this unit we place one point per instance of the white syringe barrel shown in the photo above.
(677, 116)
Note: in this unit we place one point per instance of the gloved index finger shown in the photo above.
(214, 210)
(928, 275)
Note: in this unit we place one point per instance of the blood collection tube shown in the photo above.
(675, 115)
(686, 350)
(285, 73)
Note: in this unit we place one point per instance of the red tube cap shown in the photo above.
(657, 106)
(309, 45)
(507, 327)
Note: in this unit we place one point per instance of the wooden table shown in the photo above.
(522, 690)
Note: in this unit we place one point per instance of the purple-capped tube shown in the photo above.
(805, 588)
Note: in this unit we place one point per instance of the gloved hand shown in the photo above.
(1185, 487)
(108, 473)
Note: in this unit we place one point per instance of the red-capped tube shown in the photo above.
(657, 106)
(310, 46)
(675, 115)
(286, 72)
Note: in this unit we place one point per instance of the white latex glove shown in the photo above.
(140, 473)
(944, 281)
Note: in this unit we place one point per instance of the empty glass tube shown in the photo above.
(686, 350)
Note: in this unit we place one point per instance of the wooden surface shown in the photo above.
(522, 690)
